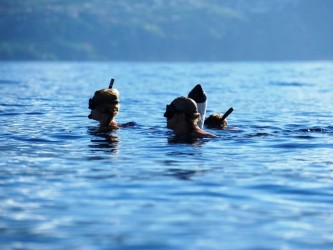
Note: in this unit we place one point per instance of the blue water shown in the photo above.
(266, 183)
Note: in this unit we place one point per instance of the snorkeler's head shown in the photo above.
(182, 105)
(216, 121)
(106, 101)
(104, 97)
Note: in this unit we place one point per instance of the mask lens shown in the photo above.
(92, 104)
(170, 111)
(169, 114)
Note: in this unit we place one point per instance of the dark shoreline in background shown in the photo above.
(167, 30)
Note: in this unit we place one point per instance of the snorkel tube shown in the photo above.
(226, 114)
(199, 96)
(111, 83)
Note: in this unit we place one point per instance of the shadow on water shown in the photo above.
(183, 149)
(186, 140)
(184, 174)
(108, 140)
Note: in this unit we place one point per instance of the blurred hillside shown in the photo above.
(166, 30)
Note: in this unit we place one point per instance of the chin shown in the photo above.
(168, 125)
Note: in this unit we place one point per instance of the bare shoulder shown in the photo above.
(202, 134)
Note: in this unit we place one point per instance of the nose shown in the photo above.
(90, 116)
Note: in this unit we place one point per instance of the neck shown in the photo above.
(107, 121)
(184, 129)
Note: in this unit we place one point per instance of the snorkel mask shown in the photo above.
(170, 111)
(94, 102)
(185, 105)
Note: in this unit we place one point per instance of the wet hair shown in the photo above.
(216, 121)
(106, 101)
(186, 106)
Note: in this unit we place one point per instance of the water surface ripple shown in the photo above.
(265, 183)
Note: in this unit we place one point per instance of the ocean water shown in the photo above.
(264, 183)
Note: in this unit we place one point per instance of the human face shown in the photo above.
(95, 115)
(172, 121)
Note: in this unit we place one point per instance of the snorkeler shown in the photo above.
(104, 107)
(182, 117)
(218, 121)
(214, 121)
